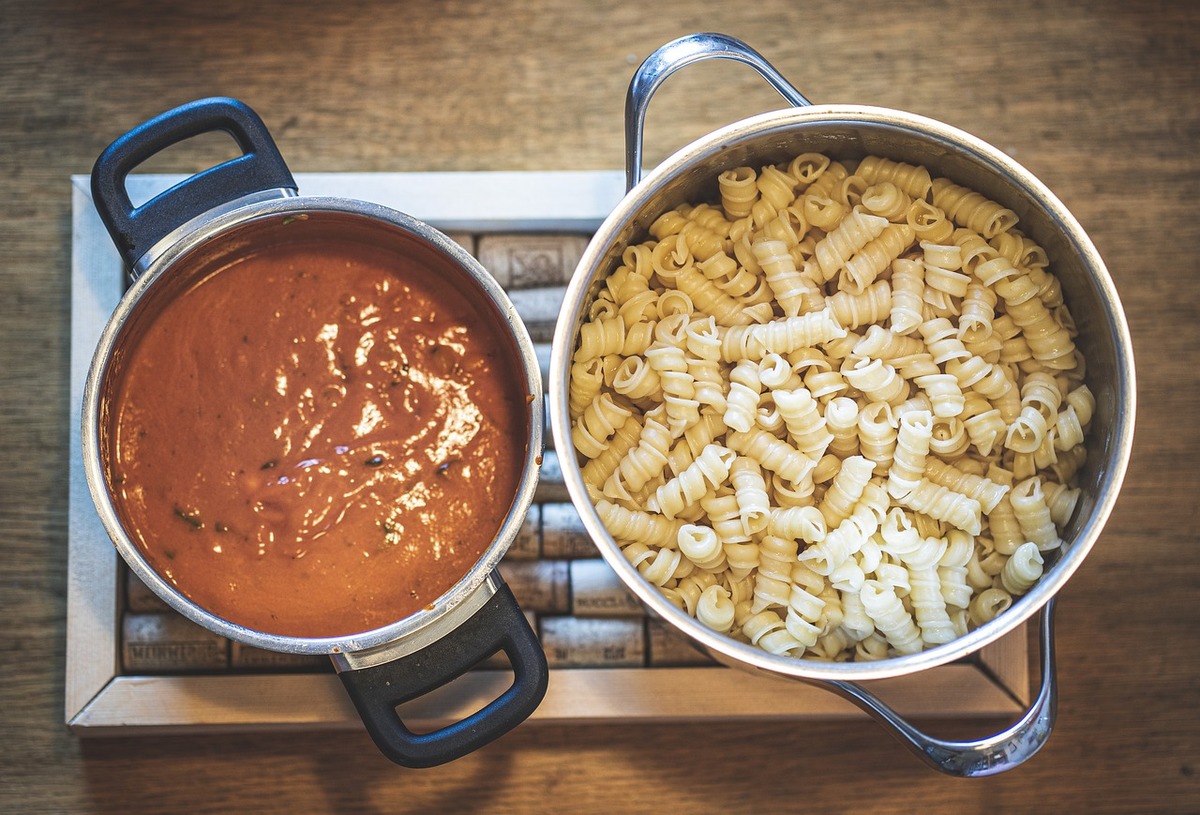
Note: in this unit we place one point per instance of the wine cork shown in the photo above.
(597, 591)
(563, 534)
(138, 596)
(550, 486)
(543, 586)
(247, 657)
(670, 649)
(464, 239)
(527, 545)
(592, 642)
(538, 309)
(524, 260)
(169, 643)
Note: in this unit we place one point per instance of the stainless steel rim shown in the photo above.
(785, 123)
(475, 580)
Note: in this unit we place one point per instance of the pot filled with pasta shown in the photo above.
(313, 425)
(850, 395)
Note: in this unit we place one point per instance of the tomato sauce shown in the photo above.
(318, 439)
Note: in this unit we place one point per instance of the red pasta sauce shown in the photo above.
(319, 438)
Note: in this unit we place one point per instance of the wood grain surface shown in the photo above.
(1098, 99)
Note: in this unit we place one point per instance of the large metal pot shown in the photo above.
(848, 131)
(171, 242)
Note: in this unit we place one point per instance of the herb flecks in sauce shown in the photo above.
(363, 469)
(189, 516)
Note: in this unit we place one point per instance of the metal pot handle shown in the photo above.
(669, 58)
(135, 230)
(987, 756)
(378, 689)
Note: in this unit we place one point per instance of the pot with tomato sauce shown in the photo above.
(314, 425)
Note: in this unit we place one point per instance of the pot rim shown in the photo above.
(467, 593)
(953, 140)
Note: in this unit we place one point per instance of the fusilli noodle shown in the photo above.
(836, 411)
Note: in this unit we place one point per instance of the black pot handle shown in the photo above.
(135, 230)
(378, 689)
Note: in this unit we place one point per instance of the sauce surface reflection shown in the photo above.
(319, 439)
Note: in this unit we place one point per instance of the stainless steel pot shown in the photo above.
(849, 131)
(217, 215)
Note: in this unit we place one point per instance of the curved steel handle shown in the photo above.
(987, 756)
(668, 59)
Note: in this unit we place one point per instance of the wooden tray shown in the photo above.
(101, 699)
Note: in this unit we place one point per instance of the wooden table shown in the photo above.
(1097, 99)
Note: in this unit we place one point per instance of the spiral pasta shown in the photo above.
(978, 311)
(989, 604)
(913, 179)
(774, 454)
(929, 607)
(730, 277)
(943, 504)
(644, 461)
(912, 447)
(715, 609)
(706, 296)
(780, 336)
(833, 551)
(677, 383)
(987, 493)
(835, 411)
(883, 343)
(787, 494)
(886, 200)
(739, 191)
(1023, 569)
(822, 212)
(792, 290)
(587, 379)
(846, 490)
(854, 309)
(599, 469)
(861, 270)
(878, 380)
(743, 395)
(750, 492)
(636, 525)
(854, 232)
(969, 209)
(709, 470)
(841, 420)
(701, 545)
(806, 426)
(890, 618)
(656, 565)
(952, 569)
(928, 222)
(1033, 514)
(690, 587)
(806, 523)
(637, 380)
(767, 630)
(597, 423)
(773, 581)
(908, 285)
